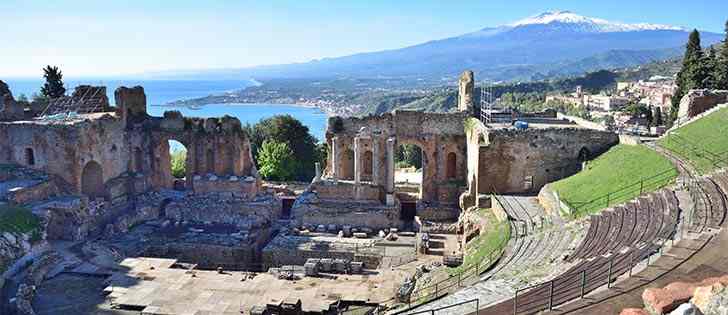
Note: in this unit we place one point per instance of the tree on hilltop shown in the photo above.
(53, 87)
(693, 73)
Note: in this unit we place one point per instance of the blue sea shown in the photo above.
(161, 92)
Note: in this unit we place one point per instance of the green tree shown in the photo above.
(721, 68)
(179, 163)
(275, 161)
(289, 130)
(53, 86)
(22, 98)
(693, 73)
(711, 64)
(657, 116)
(409, 155)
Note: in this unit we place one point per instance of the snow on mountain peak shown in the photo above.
(588, 24)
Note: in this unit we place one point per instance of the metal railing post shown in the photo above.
(477, 307)
(608, 195)
(642, 182)
(609, 274)
(515, 303)
(583, 284)
(551, 295)
(437, 293)
(459, 274)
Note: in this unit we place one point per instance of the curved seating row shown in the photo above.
(644, 220)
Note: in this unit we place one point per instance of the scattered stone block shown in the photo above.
(381, 234)
(321, 228)
(356, 267)
(340, 265)
(327, 264)
(310, 269)
(332, 228)
(360, 235)
(233, 178)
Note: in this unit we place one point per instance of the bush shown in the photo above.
(289, 130)
(179, 163)
(276, 162)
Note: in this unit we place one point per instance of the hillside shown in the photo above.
(703, 143)
(552, 43)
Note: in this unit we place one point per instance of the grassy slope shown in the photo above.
(621, 166)
(496, 234)
(706, 134)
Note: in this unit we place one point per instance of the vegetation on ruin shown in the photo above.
(614, 177)
(178, 163)
(16, 219)
(276, 160)
(297, 137)
(53, 86)
(704, 143)
(492, 238)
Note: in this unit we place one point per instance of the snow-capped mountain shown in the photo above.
(544, 45)
(587, 24)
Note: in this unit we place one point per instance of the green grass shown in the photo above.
(492, 239)
(614, 177)
(704, 143)
(18, 220)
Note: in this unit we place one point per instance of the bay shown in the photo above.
(160, 92)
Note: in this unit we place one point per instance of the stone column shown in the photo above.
(390, 171)
(357, 161)
(375, 160)
(318, 172)
(335, 158)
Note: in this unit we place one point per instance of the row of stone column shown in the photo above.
(358, 164)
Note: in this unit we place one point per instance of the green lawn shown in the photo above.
(614, 177)
(492, 239)
(17, 220)
(704, 142)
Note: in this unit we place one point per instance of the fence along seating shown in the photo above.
(645, 220)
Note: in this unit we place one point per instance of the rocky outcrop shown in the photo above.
(698, 101)
(12, 247)
(667, 299)
(9, 109)
(712, 299)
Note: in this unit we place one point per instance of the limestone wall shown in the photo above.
(698, 101)
(515, 161)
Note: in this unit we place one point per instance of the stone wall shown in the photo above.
(217, 208)
(517, 161)
(698, 101)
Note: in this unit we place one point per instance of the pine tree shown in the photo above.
(721, 68)
(53, 86)
(693, 73)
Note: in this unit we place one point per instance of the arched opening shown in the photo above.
(138, 160)
(451, 165)
(210, 161)
(347, 165)
(92, 181)
(408, 170)
(177, 165)
(29, 157)
(367, 160)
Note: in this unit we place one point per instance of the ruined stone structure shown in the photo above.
(111, 155)
(460, 154)
(696, 102)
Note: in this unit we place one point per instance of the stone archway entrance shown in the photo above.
(92, 180)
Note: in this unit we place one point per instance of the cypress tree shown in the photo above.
(53, 86)
(721, 68)
(711, 64)
(693, 73)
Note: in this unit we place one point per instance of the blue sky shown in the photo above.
(105, 38)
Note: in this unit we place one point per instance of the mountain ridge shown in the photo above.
(559, 42)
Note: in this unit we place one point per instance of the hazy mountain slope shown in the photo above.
(552, 43)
